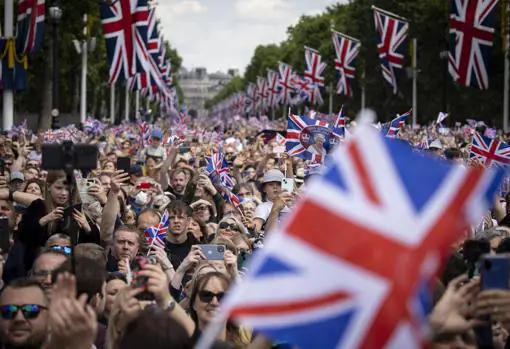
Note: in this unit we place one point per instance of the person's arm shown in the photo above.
(112, 208)
(19, 197)
(272, 220)
(167, 165)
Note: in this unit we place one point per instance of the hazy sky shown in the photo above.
(222, 34)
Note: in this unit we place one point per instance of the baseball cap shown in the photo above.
(17, 176)
(157, 133)
(436, 144)
(273, 176)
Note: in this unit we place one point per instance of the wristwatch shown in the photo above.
(170, 305)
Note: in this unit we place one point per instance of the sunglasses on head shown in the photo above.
(208, 296)
(225, 225)
(29, 311)
(66, 249)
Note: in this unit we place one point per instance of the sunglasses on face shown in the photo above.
(208, 296)
(66, 249)
(225, 225)
(29, 311)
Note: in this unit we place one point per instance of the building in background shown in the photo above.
(198, 86)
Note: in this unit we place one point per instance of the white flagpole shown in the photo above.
(137, 103)
(84, 59)
(363, 97)
(415, 82)
(126, 106)
(8, 95)
(112, 103)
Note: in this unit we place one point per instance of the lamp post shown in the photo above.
(55, 13)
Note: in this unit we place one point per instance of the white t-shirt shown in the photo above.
(264, 209)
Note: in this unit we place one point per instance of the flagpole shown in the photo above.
(126, 104)
(363, 97)
(330, 89)
(8, 95)
(415, 82)
(506, 92)
(137, 103)
(84, 59)
(112, 103)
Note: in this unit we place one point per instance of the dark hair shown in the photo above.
(203, 228)
(116, 276)
(240, 186)
(179, 207)
(24, 282)
(89, 273)
(156, 329)
(453, 153)
(36, 181)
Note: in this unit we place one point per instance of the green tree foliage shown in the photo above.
(428, 23)
(37, 98)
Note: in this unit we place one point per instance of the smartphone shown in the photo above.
(144, 185)
(83, 189)
(288, 185)
(141, 281)
(495, 272)
(5, 243)
(68, 211)
(124, 164)
(213, 252)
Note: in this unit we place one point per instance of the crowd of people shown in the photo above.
(80, 268)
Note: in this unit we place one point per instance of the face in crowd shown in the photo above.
(125, 245)
(23, 317)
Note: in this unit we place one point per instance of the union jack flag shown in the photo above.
(30, 26)
(251, 98)
(286, 83)
(155, 236)
(304, 90)
(262, 94)
(125, 30)
(471, 36)
(392, 32)
(489, 151)
(313, 73)
(397, 124)
(217, 169)
(347, 49)
(340, 122)
(272, 89)
(368, 199)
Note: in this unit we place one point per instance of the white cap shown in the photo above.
(436, 144)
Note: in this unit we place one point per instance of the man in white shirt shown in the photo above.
(154, 149)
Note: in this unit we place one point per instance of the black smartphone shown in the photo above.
(495, 272)
(5, 243)
(68, 211)
(124, 164)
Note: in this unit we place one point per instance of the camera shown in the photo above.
(221, 249)
(69, 156)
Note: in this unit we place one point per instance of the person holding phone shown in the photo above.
(53, 215)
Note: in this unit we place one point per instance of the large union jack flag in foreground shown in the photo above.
(347, 49)
(489, 151)
(471, 36)
(392, 32)
(318, 283)
(122, 22)
(30, 26)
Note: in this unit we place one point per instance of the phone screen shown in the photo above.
(4, 234)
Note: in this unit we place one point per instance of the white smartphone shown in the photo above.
(83, 189)
(288, 185)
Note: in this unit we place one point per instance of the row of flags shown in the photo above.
(136, 50)
(471, 28)
(28, 40)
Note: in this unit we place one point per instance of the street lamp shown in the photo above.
(55, 13)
